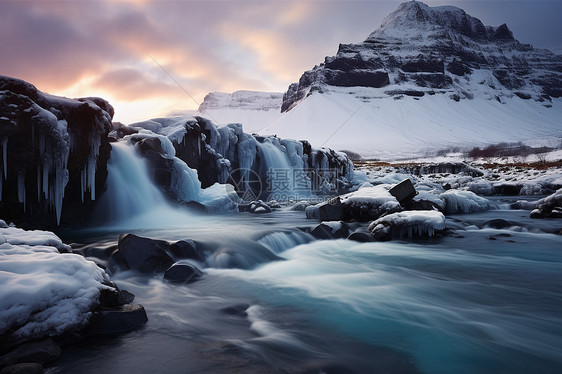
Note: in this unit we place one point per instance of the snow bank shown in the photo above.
(408, 224)
(43, 291)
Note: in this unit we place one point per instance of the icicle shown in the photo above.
(88, 174)
(46, 168)
(38, 182)
(82, 184)
(61, 179)
(91, 176)
(5, 156)
(41, 144)
(21, 188)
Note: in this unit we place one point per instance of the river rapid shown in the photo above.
(482, 300)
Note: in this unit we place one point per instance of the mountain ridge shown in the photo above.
(436, 50)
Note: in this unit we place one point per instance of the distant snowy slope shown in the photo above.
(252, 100)
(393, 129)
(254, 109)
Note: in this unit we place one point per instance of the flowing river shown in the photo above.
(485, 300)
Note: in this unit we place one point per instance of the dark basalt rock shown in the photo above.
(115, 297)
(40, 352)
(404, 192)
(324, 231)
(362, 236)
(356, 62)
(25, 368)
(423, 65)
(184, 273)
(498, 224)
(331, 210)
(441, 168)
(117, 320)
(362, 78)
(458, 68)
(141, 254)
(186, 249)
(412, 93)
(432, 80)
(508, 189)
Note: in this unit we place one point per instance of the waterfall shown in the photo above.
(284, 180)
(130, 192)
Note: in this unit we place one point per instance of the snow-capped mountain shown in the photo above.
(420, 50)
(429, 78)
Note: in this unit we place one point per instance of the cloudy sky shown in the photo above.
(150, 57)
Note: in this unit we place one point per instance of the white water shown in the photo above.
(284, 180)
(131, 200)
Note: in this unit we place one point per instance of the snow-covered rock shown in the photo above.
(43, 292)
(408, 224)
(370, 202)
(549, 207)
(457, 201)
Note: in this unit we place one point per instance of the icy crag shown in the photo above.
(421, 50)
(54, 154)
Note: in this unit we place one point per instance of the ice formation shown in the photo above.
(408, 224)
(49, 144)
(457, 201)
(284, 168)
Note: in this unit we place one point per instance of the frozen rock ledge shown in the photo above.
(408, 224)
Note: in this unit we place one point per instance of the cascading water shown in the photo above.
(132, 200)
(129, 192)
(284, 180)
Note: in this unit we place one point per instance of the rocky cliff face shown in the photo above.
(421, 50)
(54, 155)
